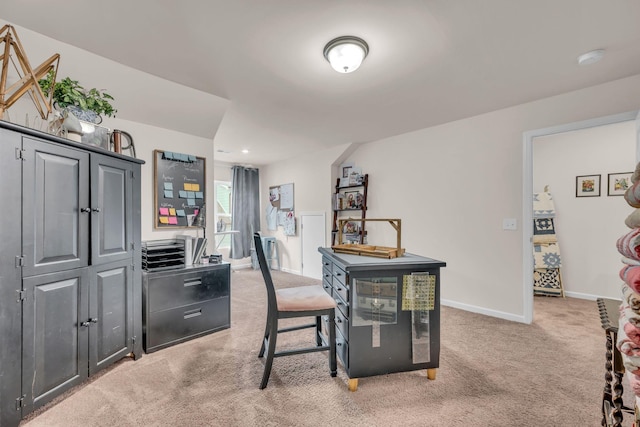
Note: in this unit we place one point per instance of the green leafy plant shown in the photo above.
(69, 92)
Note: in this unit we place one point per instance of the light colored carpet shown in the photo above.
(492, 373)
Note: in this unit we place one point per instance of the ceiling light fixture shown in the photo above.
(591, 57)
(346, 53)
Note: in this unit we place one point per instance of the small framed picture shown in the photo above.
(352, 200)
(588, 186)
(346, 171)
(618, 183)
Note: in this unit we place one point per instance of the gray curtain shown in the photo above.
(245, 210)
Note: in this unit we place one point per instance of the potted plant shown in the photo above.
(88, 105)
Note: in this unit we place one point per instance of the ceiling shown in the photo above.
(257, 78)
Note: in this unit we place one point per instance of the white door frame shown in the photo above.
(527, 192)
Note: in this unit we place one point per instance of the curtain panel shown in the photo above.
(245, 210)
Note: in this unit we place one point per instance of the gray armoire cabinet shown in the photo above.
(70, 276)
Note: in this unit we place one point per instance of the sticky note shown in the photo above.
(195, 187)
(199, 195)
(191, 202)
(164, 211)
(168, 194)
(172, 211)
(180, 212)
(195, 211)
(192, 158)
(164, 220)
(187, 186)
(173, 220)
(191, 195)
(183, 194)
(168, 185)
(168, 155)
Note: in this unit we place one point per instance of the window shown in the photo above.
(223, 212)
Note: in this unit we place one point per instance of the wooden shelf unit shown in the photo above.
(362, 211)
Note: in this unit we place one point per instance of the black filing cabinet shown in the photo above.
(184, 303)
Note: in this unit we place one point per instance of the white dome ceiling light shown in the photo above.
(346, 53)
(591, 57)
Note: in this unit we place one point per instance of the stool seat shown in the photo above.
(304, 298)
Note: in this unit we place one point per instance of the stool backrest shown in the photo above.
(266, 273)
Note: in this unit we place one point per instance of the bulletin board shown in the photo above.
(280, 211)
(179, 188)
(281, 197)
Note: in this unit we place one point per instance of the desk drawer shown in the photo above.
(339, 275)
(342, 324)
(182, 288)
(327, 277)
(182, 323)
(342, 349)
(342, 290)
(327, 287)
(342, 306)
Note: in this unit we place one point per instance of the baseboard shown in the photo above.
(287, 270)
(481, 310)
(589, 297)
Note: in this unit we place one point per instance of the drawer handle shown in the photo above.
(192, 313)
(338, 274)
(338, 320)
(340, 289)
(192, 282)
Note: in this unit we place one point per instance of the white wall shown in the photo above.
(587, 227)
(453, 184)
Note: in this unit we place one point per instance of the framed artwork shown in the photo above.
(618, 183)
(346, 171)
(352, 200)
(588, 186)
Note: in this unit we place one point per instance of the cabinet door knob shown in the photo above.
(96, 210)
(85, 210)
(86, 324)
(93, 320)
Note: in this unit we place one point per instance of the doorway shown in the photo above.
(528, 190)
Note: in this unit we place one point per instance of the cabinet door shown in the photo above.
(55, 215)
(54, 335)
(111, 209)
(110, 314)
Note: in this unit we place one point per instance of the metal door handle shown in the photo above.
(96, 210)
(85, 210)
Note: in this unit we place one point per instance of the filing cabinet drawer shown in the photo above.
(182, 288)
(179, 324)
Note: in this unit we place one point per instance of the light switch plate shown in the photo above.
(509, 224)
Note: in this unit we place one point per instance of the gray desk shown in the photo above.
(374, 334)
